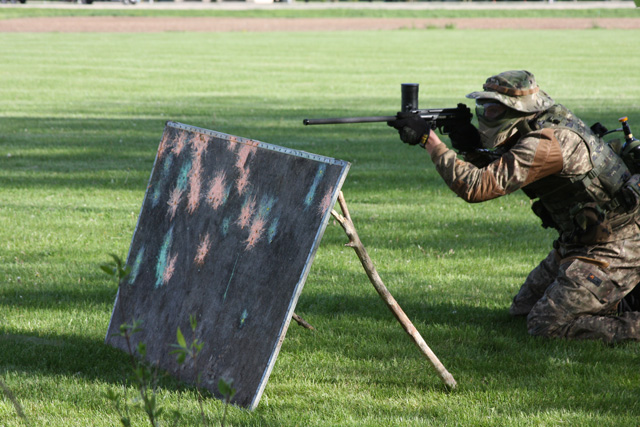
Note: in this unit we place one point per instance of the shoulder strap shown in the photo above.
(606, 164)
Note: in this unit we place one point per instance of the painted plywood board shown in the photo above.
(227, 233)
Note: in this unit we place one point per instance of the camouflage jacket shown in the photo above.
(545, 156)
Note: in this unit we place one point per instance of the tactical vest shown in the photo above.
(562, 199)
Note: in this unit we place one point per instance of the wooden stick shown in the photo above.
(302, 322)
(369, 268)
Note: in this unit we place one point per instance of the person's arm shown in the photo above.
(433, 143)
(537, 155)
(534, 157)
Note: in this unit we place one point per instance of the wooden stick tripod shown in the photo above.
(356, 244)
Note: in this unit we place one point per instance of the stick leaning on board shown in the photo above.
(356, 244)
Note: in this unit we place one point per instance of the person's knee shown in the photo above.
(546, 319)
(539, 328)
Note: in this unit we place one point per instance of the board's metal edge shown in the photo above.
(265, 145)
(298, 290)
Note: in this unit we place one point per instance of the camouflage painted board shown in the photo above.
(227, 233)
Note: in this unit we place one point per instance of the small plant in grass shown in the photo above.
(225, 387)
(116, 269)
(192, 350)
(182, 351)
(145, 377)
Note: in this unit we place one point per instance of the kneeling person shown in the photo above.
(581, 187)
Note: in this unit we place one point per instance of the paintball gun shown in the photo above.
(437, 117)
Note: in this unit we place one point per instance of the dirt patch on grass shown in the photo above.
(149, 25)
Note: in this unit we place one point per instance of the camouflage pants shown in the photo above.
(575, 291)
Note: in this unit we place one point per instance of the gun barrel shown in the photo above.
(344, 120)
(437, 115)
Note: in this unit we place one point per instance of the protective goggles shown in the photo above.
(490, 111)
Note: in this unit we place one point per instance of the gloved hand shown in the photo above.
(464, 136)
(411, 127)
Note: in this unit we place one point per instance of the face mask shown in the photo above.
(492, 137)
(501, 127)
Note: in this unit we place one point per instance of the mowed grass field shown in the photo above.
(81, 116)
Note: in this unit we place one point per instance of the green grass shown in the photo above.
(337, 12)
(81, 119)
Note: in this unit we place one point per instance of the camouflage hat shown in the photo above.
(516, 89)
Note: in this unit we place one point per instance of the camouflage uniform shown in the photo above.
(576, 290)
